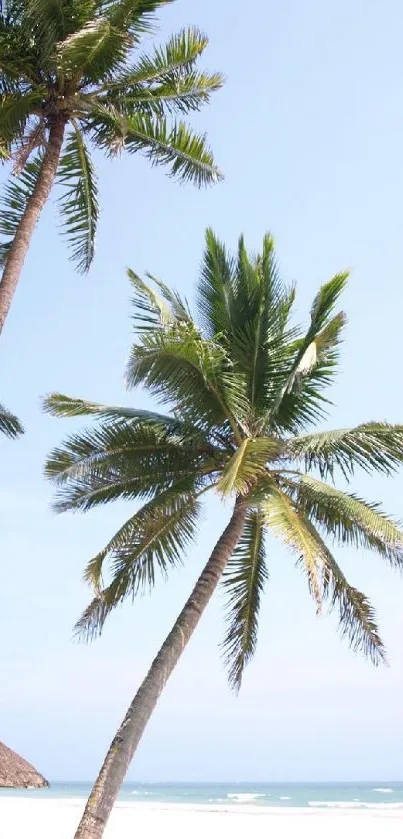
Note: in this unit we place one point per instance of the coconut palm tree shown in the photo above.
(69, 78)
(9, 424)
(245, 387)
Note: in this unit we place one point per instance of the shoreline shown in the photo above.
(44, 819)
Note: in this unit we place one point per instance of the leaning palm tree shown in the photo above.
(9, 424)
(244, 386)
(69, 78)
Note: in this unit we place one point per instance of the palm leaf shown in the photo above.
(155, 538)
(216, 287)
(347, 518)
(286, 522)
(357, 619)
(182, 369)
(299, 399)
(79, 203)
(246, 464)
(15, 110)
(133, 16)
(123, 461)
(150, 309)
(177, 146)
(244, 581)
(9, 424)
(179, 54)
(97, 49)
(373, 446)
(17, 193)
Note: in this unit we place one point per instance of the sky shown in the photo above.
(309, 133)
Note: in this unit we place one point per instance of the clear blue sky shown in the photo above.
(309, 132)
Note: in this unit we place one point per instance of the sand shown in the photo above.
(22, 818)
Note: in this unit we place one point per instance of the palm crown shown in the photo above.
(69, 65)
(244, 387)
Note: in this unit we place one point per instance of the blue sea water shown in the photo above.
(376, 795)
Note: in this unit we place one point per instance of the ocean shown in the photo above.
(377, 795)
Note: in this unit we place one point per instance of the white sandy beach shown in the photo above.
(26, 819)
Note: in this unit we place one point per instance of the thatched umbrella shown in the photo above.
(16, 772)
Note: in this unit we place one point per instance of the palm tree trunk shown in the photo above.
(128, 736)
(22, 238)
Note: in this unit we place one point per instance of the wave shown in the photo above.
(382, 789)
(245, 796)
(351, 805)
(285, 798)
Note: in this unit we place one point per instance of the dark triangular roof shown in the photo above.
(17, 772)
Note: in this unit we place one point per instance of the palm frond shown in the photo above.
(96, 50)
(15, 110)
(357, 619)
(285, 522)
(299, 399)
(248, 462)
(176, 146)
(153, 539)
(179, 54)
(9, 424)
(135, 17)
(150, 308)
(178, 306)
(175, 95)
(53, 20)
(182, 369)
(216, 287)
(347, 518)
(244, 582)
(122, 460)
(79, 203)
(17, 193)
(186, 152)
(373, 447)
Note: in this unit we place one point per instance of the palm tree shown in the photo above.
(244, 386)
(9, 424)
(68, 77)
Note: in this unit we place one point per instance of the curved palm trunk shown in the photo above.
(40, 194)
(128, 736)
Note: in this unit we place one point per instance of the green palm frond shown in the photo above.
(17, 193)
(150, 308)
(175, 95)
(357, 619)
(347, 518)
(179, 54)
(244, 581)
(9, 423)
(59, 405)
(96, 49)
(175, 145)
(79, 203)
(183, 369)
(135, 17)
(299, 399)
(123, 461)
(15, 111)
(285, 522)
(53, 20)
(216, 287)
(247, 464)
(153, 539)
(373, 447)
(178, 306)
